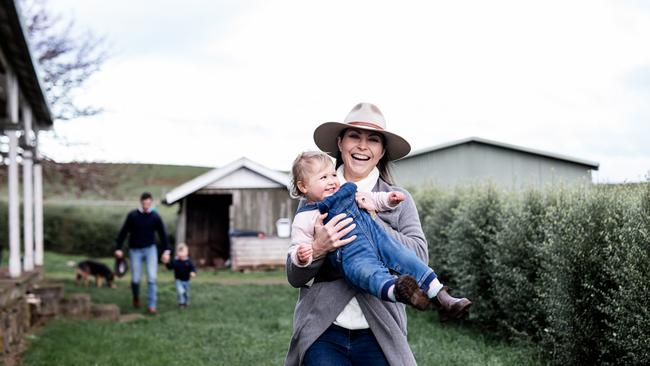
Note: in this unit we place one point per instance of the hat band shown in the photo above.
(366, 124)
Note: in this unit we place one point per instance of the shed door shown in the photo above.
(208, 223)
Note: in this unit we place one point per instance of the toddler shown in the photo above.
(184, 270)
(369, 261)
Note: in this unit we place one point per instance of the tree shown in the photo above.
(67, 57)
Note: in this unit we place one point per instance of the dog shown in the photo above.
(98, 270)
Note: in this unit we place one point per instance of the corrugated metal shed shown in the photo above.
(476, 159)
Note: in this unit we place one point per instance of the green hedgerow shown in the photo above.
(472, 237)
(565, 268)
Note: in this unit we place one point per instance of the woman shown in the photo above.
(334, 324)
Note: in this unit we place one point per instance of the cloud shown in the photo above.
(211, 82)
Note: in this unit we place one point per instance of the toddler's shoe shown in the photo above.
(408, 292)
(450, 307)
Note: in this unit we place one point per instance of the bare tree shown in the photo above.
(67, 57)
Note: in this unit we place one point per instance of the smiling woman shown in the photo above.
(334, 323)
(360, 151)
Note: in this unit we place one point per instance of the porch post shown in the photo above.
(38, 204)
(28, 193)
(28, 233)
(14, 223)
(14, 220)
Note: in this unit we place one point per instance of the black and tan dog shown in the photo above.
(100, 271)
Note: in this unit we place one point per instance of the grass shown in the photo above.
(226, 325)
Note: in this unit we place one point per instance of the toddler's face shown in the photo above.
(181, 253)
(321, 183)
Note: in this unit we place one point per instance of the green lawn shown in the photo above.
(226, 325)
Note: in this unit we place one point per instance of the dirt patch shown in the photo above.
(127, 318)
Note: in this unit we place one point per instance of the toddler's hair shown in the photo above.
(181, 246)
(304, 164)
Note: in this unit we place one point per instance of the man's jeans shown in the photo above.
(183, 291)
(367, 262)
(150, 256)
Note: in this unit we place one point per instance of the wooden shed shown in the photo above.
(242, 197)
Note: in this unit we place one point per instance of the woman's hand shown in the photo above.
(327, 237)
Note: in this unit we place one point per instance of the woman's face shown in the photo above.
(361, 151)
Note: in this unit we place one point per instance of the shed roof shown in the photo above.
(591, 164)
(16, 50)
(210, 178)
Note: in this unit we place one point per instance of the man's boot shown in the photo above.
(450, 307)
(135, 290)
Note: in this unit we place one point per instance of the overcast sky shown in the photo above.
(206, 82)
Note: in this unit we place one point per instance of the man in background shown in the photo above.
(141, 225)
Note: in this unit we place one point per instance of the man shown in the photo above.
(141, 225)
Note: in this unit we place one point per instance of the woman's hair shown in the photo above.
(305, 163)
(384, 165)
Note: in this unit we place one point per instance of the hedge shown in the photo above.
(90, 230)
(567, 269)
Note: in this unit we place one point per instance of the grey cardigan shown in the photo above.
(319, 305)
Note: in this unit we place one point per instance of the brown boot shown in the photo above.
(450, 307)
(136, 302)
(151, 311)
(408, 292)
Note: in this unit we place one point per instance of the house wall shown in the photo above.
(475, 162)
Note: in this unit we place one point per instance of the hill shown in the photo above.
(107, 181)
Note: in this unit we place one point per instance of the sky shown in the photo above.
(206, 82)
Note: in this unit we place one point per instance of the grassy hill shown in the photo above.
(107, 181)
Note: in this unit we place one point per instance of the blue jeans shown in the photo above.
(338, 346)
(367, 262)
(183, 291)
(150, 256)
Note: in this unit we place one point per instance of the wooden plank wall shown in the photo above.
(258, 209)
(252, 252)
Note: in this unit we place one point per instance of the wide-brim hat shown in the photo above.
(364, 116)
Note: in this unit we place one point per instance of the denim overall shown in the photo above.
(367, 262)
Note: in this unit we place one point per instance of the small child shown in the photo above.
(366, 262)
(184, 270)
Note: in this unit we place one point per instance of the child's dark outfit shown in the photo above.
(182, 270)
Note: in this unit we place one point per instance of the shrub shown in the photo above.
(597, 308)
(517, 266)
(437, 212)
(566, 268)
(472, 237)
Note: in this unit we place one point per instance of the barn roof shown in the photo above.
(591, 164)
(232, 170)
(17, 53)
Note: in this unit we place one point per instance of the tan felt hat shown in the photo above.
(364, 116)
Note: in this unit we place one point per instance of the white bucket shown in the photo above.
(284, 227)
